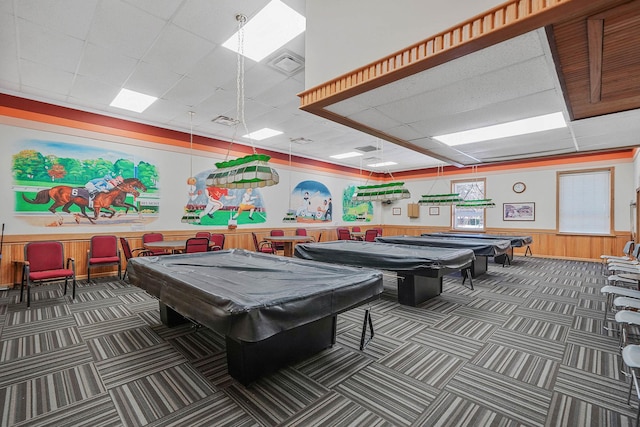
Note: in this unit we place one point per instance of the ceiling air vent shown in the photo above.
(367, 148)
(224, 120)
(287, 63)
(301, 140)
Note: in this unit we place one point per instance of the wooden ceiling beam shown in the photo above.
(595, 37)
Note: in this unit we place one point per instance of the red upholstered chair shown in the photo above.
(45, 262)
(130, 253)
(343, 233)
(154, 237)
(103, 251)
(264, 246)
(370, 235)
(356, 229)
(197, 244)
(277, 246)
(379, 230)
(303, 232)
(203, 234)
(216, 242)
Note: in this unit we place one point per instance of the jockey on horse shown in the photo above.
(101, 185)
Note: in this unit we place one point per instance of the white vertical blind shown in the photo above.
(585, 202)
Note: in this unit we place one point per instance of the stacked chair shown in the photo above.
(623, 299)
(625, 256)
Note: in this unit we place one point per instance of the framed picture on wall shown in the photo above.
(396, 211)
(434, 210)
(519, 211)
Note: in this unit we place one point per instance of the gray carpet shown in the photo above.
(524, 348)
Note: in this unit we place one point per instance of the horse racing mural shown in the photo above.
(85, 184)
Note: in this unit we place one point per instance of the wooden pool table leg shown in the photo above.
(413, 289)
(170, 317)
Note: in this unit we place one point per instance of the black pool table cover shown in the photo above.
(252, 296)
(385, 256)
(516, 241)
(481, 247)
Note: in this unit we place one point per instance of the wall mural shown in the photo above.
(212, 206)
(89, 185)
(311, 201)
(354, 210)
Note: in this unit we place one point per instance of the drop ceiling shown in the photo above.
(80, 53)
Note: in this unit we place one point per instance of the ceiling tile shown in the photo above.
(107, 65)
(120, 26)
(47, 47)
(177, 50)
(69, 17)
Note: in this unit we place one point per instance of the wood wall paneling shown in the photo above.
(547, 243)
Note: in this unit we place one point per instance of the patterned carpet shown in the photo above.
(524, 348)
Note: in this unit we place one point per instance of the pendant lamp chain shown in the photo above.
(191, 114)
(250, 171)
(242, 20)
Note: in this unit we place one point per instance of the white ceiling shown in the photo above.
(80, 53)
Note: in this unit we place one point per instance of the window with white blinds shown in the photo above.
(468, 218)
(585, 201)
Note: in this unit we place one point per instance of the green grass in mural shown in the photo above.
(352, 213)
(222, 217)
(219, 218)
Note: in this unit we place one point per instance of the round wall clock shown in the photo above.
(519, 187)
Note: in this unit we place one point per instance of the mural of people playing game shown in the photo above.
(311, 202)
(215, 206)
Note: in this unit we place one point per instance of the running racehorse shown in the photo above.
(65, 196)
(119, 201)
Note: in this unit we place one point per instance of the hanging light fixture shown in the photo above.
(252, 171)
(440, 199)
(190, 216)
(475, 203)
(361, 216)
(290, 216)
(383, 192)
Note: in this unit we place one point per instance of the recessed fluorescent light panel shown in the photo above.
(379, 165)
(132, 101)
(274, 26)
(518, 127)
(346, 155)
(261, 134)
